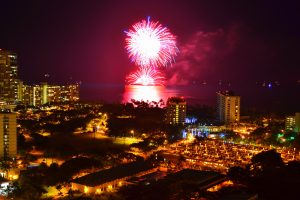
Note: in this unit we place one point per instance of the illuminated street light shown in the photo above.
(132, 132)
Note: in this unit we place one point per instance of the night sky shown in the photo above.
(242, 43)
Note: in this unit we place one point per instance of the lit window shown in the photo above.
(86, 189)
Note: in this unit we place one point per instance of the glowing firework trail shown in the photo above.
(146, 76)
(150, 44)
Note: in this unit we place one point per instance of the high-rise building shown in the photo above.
(297, 122)
(8, 77)
(12, 90)
(7, 107)
(20, 91)
(289, 123)
(44, 93)
(73, 94)
(8, 135)
(292, 123)
(27, 94)
(228, 107)
(32, 95)
(62, 93)
(37, 95)
(176, 111)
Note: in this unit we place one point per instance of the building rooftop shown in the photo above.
(204, 179)
(113, 173)
(227, 93)
(6, 110)
(176, 100)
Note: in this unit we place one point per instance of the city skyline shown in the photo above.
(248, 47)
(149, 100)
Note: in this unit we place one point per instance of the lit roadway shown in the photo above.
(221, 155)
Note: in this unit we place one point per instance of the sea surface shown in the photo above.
(284, 98)
(125, 93)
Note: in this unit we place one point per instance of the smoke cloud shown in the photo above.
(202, 55)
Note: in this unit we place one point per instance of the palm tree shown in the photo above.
(5, 166)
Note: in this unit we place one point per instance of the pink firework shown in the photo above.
(150, 44)
(146, 76)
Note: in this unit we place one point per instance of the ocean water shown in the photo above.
(114, 93)
(284, 98)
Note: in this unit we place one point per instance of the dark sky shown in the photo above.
(233, 41)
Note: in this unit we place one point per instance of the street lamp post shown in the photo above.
(132, 132)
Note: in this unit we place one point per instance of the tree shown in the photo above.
(238, 174)
(43, 166)
(271, 179)
(21, 142)
(258, 133)
(5, 166)
(59, 187)
(30, 188)
(15, 190)
(266, 160)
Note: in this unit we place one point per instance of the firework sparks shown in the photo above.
(150, 44)
(146, 76)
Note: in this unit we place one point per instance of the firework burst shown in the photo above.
(146, 76)
(150, 44)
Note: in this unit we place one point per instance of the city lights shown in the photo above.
(99, 101)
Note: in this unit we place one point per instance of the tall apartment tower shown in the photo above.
(292, 123)
(8, 77)
(44, 93)
(176, 111)
(37, 95)
(8, 135)
(228, 107)
(297, 122)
